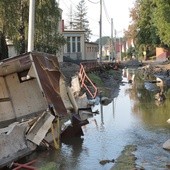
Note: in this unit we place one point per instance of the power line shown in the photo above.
(73, 3)
(94, 2)
(106, 13)
(66, 4)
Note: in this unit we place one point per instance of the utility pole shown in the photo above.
(100, 42)
(71, 18)
(115, 44)
(31, 26)
(111, 43)
(120, 48)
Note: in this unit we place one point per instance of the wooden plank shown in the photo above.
(40, 128)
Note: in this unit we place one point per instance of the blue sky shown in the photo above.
(116, 9)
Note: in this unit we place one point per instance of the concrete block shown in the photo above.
(12, 141)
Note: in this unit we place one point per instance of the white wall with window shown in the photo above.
(91, 50)
(75, 46)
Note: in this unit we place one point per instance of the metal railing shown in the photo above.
(83, 78)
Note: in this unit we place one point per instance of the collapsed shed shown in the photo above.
(31, 85)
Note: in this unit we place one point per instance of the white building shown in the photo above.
(76, 48)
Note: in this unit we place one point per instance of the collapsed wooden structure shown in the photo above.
(34, 104)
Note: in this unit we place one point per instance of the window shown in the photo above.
(73, 44)
(23, 76)
(78, 44)
(68, 45)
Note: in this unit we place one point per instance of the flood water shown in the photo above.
(132, 118)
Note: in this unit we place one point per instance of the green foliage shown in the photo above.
(147, 32)
(96, 79)
(50, 166)
(104, 40)
(14, 16)
(115, 74)
(161, 17)
(143, 29)
(80, 20)
(131, 51)
(47, 37)
(3, 47)
(150, 23)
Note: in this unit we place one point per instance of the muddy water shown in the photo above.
(132, 118)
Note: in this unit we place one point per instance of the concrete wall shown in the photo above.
(11, 51)
(6, 109)
(25, 97)
(162, 54)
(12, 141)
(91, 51)
(159, 51)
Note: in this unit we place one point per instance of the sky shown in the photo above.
(118, 10)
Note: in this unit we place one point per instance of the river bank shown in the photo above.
(105, 81)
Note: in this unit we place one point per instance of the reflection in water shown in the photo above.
(113, 104)
(101, 109)
(135, 120)
(153, 110)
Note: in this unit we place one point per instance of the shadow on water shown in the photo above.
(132, 118)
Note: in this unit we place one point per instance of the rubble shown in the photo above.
(166, 145)
(34, 92)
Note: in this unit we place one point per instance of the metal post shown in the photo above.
(112, 45)
(120, 48)
(31, 26)
(115, 42)
(100, 43)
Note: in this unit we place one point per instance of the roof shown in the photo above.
(47, 71)
(74, 31)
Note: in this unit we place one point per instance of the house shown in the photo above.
(91, 50)
(106, 49)
(76, 48)
(112, 49)
(162, 54)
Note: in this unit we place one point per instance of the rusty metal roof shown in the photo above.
(48, 72)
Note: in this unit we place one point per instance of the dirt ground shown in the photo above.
(108, 79)
(70, 69)
(165, 65)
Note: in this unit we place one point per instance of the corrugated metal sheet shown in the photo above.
(48, 71)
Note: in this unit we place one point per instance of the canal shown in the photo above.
(134, 117)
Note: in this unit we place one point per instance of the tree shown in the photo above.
(147, 32)
(3, 47)
(47, 37)
(10, 20)
(80, 21)
(14, 21)
(131, 51)
(132, 29)
(104, 40)
(161, 18)
(143, 30)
